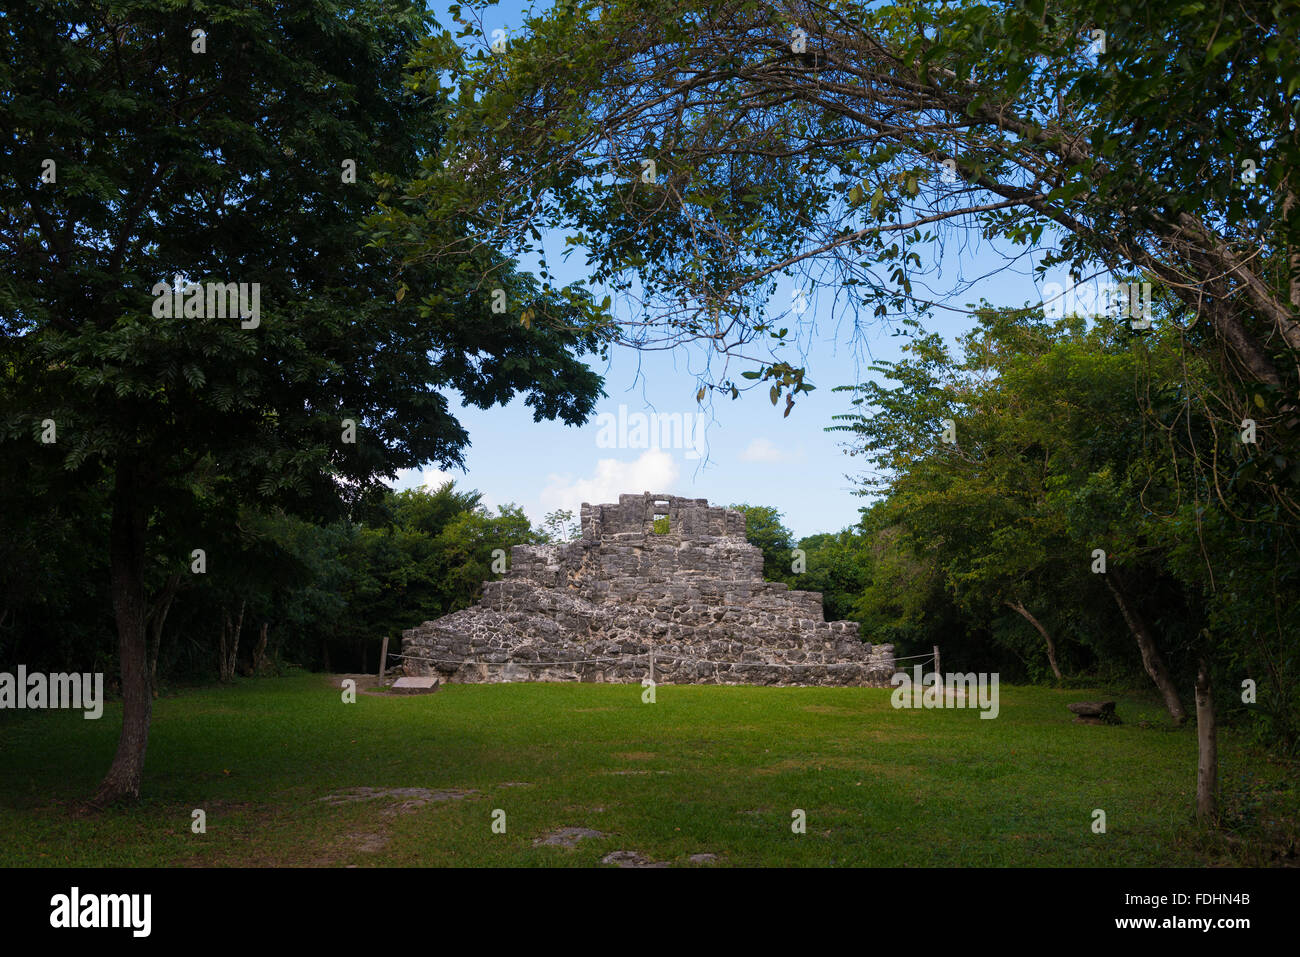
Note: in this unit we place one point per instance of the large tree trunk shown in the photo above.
(1207, 747)
(126, 573)
(1151, 660)
(259, 652)
(1051, 645)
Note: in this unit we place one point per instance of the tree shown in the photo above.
(985, 454)
(429, 512)
(764, 529)
(234, 148)
(559, 526)
(838, 566)
(466, 550)
(423, 554)
(700, 152)
(1044, 467)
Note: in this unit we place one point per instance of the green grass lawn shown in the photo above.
(705, 769)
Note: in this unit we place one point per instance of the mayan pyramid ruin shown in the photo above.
(655, 581)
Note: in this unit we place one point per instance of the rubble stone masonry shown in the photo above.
(597, 608)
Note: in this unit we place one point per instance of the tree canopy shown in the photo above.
(158, 154)
(698, 153)
(1041, 471)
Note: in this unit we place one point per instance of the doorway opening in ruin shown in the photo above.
(660, 516)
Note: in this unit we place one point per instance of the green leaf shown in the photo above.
(1221, 44)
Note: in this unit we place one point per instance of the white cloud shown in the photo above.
(764, 450)
(654, 471)
(430, 477)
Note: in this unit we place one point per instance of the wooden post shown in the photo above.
(383, 659)
(936, 662)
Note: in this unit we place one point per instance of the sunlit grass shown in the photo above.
(705, 769)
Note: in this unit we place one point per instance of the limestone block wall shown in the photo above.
(596, 608)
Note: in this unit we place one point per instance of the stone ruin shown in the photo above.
(687, 600)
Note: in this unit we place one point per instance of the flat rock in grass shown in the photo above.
(702, 858)
(426, 685)
(567, 837)
(630, 859)
(1094, 712)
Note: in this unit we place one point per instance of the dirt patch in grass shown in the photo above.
(631, 859)
(374, 837)
(369, 843)
(411, 798)
(567, 837)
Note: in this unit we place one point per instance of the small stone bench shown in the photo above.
(415, 685)
(1094, 712)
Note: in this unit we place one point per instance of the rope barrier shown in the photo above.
(462, 661)
(773, 664)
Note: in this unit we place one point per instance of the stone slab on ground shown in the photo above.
(1094, 712)
(417, 685)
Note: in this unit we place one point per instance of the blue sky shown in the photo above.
(752, 455)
